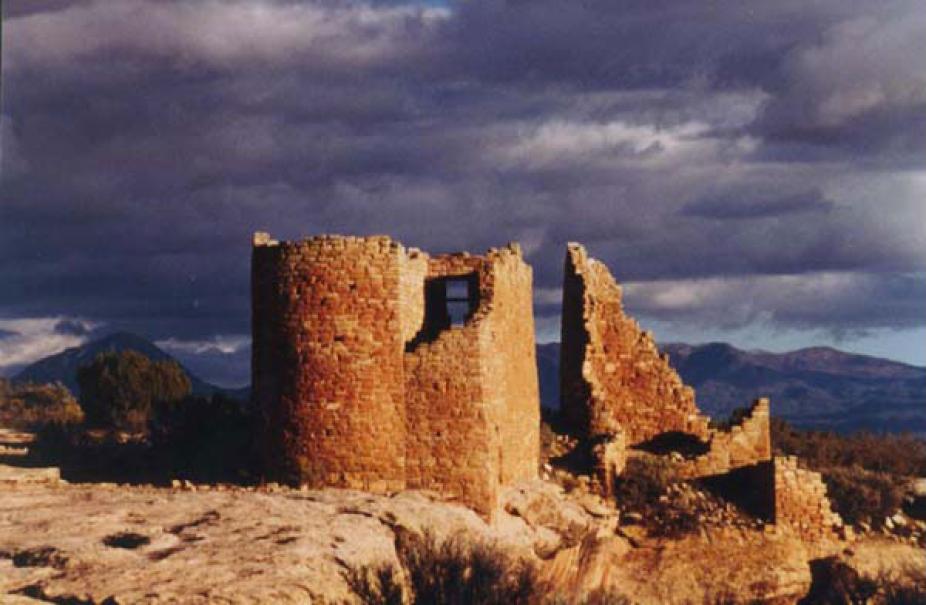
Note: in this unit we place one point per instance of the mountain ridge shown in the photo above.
(62, 367)
(813, 387)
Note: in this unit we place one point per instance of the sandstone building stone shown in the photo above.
(617, 389)
(800, 500)
(612, 376)
(381, 368)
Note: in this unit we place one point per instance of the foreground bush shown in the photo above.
(835, 583)
(33, 406)
(456, 571)
(119, 390)
(643, 488)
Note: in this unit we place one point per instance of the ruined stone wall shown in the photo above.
(476, 384)
(363, 382)
(612, 375)
(452, 443)
(328, 360)
(746, 443)
(801, 502)
(414, 269)
(509, 353)
(614, 382)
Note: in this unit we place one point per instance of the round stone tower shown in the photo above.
(328, 360)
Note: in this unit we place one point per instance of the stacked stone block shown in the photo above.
(801, 502)
(612, 376)
(364, 383)
(746, 443)
(616, 387)
(328, 361)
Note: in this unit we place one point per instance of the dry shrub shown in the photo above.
(604, 596)
(456, 571)
(909, 588)
(863, 496)
(836, 583)
(376, 584)
(885, 453)
(643, 488)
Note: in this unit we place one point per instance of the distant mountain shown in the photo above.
(62, 367)
(819, 387)
(816, 387)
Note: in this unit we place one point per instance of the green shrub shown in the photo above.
(119, 390)
(644, 479)
(862, 496)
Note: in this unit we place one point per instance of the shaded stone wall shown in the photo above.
(801, 502)
(364, 382)
(612, 375)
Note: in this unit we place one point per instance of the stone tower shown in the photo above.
(381, 368)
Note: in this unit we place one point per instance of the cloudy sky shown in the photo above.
(751, 171)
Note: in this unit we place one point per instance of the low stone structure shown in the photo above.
(745, 443)
(616, 388)
(801, 502)
(381, 368)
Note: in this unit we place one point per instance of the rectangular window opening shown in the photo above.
(458, 301)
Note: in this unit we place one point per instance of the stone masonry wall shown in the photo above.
(477, 383)
(746, 443)
(612, 375)
(509, 353)
(414, 269)
(801, 502)
(614, 383)
(452, 443)
(364, 383)
(328, 360)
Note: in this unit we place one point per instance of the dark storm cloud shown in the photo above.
(747, 205)
(859, 302)
(13, 8)
(75, 328)
(143, 142)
